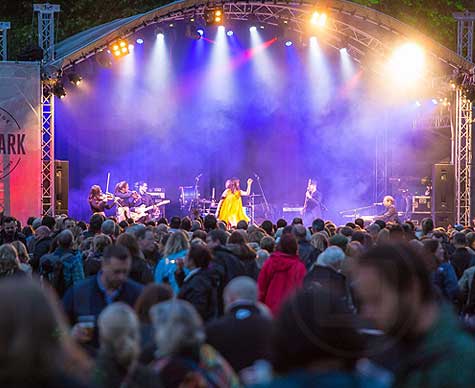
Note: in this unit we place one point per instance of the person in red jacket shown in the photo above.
(281, 274)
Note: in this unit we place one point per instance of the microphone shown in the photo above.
(377, 203)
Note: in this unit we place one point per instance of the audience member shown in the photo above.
(281, 274)
(242, 336)
(183, 358)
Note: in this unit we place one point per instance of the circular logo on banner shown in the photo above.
(12, 143)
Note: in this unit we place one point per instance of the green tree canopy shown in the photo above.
(432, 17)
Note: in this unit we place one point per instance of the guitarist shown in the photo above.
(144, 199)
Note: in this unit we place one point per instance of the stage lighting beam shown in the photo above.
(319, 18)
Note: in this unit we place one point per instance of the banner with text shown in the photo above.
(20, 139)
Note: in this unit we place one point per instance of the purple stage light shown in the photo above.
(253, 28)
(139, 41)
(288, 43)
(200, 31)
(230, 33)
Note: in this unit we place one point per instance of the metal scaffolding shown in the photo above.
(4, 27)
(463, 157)
(465, 24)
(46, 14)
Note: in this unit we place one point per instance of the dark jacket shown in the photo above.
(461, 260)
(225, 266)
(445, 279)
(60, 380)
(39, 248)
(247, 256)
(307, 253)
(86, 298)
(7, 239)
(331, 280)
(140, 271)
(199, 288)
(108, 373)
(93, 264)
(241, 336)
(390, 215)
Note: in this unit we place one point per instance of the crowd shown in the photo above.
(191, 303)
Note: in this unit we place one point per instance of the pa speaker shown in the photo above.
(61, 186)
(443, 194)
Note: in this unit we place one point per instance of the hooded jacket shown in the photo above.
(279, 277)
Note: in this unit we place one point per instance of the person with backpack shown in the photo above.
(467, 289)
(63, 267)
(225, 265)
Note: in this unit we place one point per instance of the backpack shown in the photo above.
(52, 271)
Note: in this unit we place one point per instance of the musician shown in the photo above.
(98, 201)
(230, 209)
(144, 197)
(312, 208)
(126, 198)
(390, 215)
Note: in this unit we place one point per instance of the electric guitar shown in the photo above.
(141, 211)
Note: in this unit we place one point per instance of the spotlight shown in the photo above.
(288, 43)
(160, 32)
(230, 33)
(214, 16)
(221, 28)
(407, 63)
(58, 89)
(344, 50)
(418, 104)
(139, 41)
(434, 101)
(313, 40)
(318, 19)
(75, 79)
(193, 33)
(253, 28)
(119, 48)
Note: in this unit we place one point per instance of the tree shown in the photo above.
(432, 17)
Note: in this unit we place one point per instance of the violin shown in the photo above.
(107, 197)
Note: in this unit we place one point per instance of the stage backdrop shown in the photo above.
(20, 141)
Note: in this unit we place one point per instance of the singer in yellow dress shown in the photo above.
(230, 208)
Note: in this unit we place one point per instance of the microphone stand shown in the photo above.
(266, 204)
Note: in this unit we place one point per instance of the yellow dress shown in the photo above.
(231, 210)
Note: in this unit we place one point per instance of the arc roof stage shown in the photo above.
(369, 34)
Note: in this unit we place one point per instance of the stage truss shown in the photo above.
(362, 31)
(463, 157)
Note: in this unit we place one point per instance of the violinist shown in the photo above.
(126, 198)
(98, 201)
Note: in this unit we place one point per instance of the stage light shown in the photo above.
(221, 29)
(434, 101)
(343, 50)
(288, 43)
(313, 40)
(407, 63)
(120, 48)
(253, 29)
(75, 78)
(139, 41)
(418, 104)
(318, 18)
(230, 33)
(200, 31)
(261, 26)
(58, 89)
(214, 16)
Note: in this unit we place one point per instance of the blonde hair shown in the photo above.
(8, 260)
(22, 251)
(178, 241)
(319, 241)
